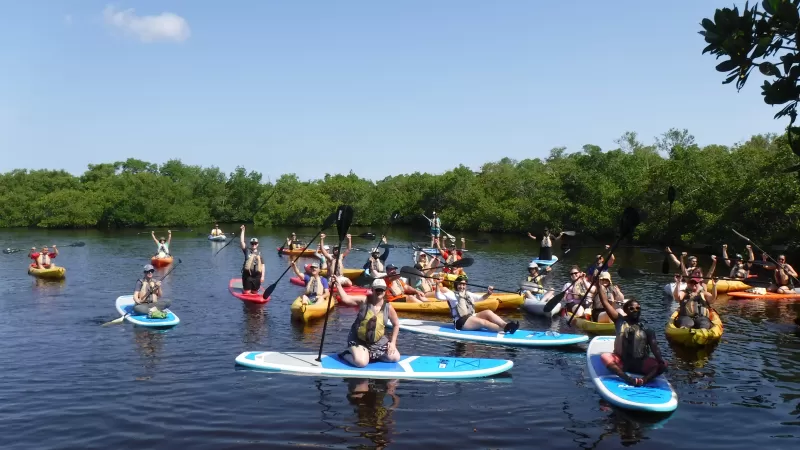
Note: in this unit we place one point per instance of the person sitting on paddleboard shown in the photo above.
(216, 231)
(693, 268)
(316, 285)
(375, 263)
(613, 294)
(162, 243)
(253, 267)
(452, 255)
(43, 259)
(462, 308)
(146, 296)
(436, 229)
(740, 269)
(632, 345)
(781, 282)
(575, 290)
(396, 288)
(331, 257)
(694, 304)
(546, 246)
(599, 260)
(367, 341)
(534, 281)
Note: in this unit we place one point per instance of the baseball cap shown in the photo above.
(315, 265)
(605, 276)
(696, 279)
(149, 267)
(254, 240)
(533, 265)
(391, 267)
(378, 283)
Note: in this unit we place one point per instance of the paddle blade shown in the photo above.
(268, 291)
(463, 262)
(665, 265)
(395, 215)
(344, 217)
(671, 194)
(554, 301)
(411, 271)
(629, 222)
(113, 322)
(631, 272)
(569, 233)
(329, 221)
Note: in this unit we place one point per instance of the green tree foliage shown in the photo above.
(767, 39)
(718, 187)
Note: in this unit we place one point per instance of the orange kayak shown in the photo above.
(767, 296)
(161, 262)
(298, 252)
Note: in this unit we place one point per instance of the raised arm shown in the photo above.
(293, 263)
(169, 237)
(349, 246)
(325, 253)
(750, 254)
(713, 266)
(55, 250)
(531, 236)
(348, 299)
(153, 234)
(677, 293)
(241, 238)
(463, 243)
(672, 256)
(610, 310)
(385, 254)
(725, 255)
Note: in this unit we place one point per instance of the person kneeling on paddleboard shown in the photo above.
(694, 304)
(462, 308)
(367, 341)
(146, 296)
(316, 286)
(632, 345)
(253, 267)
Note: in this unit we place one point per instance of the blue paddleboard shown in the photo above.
(221, 237)
(409, 367)
(125, 306)
(546, 262)
(524, 338)
(655, 396)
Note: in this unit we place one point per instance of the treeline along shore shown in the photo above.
(718, 187)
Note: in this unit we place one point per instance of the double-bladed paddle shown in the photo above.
(344, 217)
(120, 319)
(671, 197)
(325, 225)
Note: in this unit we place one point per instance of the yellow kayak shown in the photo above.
(693, 337)
(590, 327)
(299, 251)
(349, 273)
(507, 300)
(440, 306)
(725, 286)
(306, 313)
(52, 273)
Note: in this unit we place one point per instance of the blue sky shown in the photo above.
(377, 87)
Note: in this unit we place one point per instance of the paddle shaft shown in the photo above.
(343, 225)
(777, 264)
(233, 238)
(449, 236)
(745, 281)
(671, 198)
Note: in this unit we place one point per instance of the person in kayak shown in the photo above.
(546, 246)
(376, 261)
(452, 255)
(293, 244)
(462, 308)
(367, 341)
(693, 269)
(396, 288)
(316, 285)
(436, 229)
(162, 243)
(599, 260)
(146, 296)
(740, 269)
(632, 345)
(694, 304)
(331, 257)
(533, 284)
(782, 279)
(216, 231)
(426, 283)
(43, 259)
(613, 294)
(575, 290)
(253, 267)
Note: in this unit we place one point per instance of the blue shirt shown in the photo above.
(307, 278)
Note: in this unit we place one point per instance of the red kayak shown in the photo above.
(235, 286)
(357, 290)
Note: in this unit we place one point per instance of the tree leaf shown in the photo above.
(727, 66)
(768, 69)
(708, 24)
(768, 6)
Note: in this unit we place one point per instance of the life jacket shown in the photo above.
(537, 280)
(370, 327)
(147, 288)
(693, 305)
(376, 265)
(738, 272)
(464, 306)
(424, 285)
(577, 292)
(251, 261)
(597, 303)
(163, 248)
(44, 259)
(395, 290)
(546, 242)
(216, 232)
(631, 343)
(338, 265)
(314, 287)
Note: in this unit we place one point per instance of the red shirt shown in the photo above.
(35, 255)
(446, 254)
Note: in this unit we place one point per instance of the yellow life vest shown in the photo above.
(372, 326)
(147, 287)
(315, 287)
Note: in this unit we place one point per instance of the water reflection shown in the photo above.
(255, 316)
(696, 357)
(149, 346)
(373, 415)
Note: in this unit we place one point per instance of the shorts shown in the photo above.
(376, 351)
(251, 281)
(435, 232)
(641, 367)
(461, 321)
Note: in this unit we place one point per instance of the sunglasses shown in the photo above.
(149, 271)
(574, 273)
(379, 291)
(635, 308)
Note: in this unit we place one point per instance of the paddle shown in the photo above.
(629, 221)
(174, 231)
(408, 270)
(671, 198)
(777, 264)
(631, 272)
(235, 236)
(325, 225)
(344, 217)
(449, 236)
(120, 319)
(463, 262)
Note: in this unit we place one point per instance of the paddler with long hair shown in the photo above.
(253, 268)
(368, 341)
(632, 345)
(575, 290)
(462, 308)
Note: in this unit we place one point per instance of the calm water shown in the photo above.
(69, 383)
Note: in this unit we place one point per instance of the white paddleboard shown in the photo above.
(523, 338)
(125, 305)
(656, 396)
(545, 262)
(409, 367)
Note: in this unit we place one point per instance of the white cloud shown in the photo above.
(163, 27)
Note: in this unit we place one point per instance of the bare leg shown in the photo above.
(356, 355)
(492, 317)
(476, 323)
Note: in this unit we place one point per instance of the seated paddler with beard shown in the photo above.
(632, 345)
